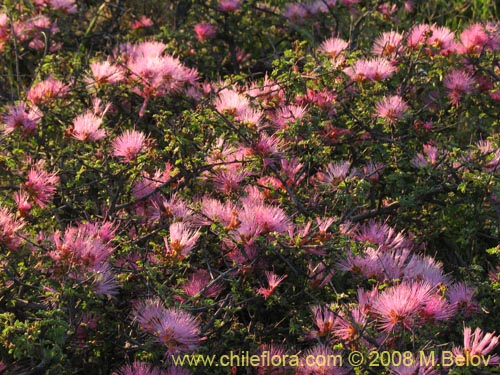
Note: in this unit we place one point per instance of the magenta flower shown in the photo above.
(142, 22)
(229, 5)
(477, 344)
(273, 281)
(41, 185)
(391, 109)
(204, 31)
(66, 6)
(86, 127)
(201, 282)
(458, 83)
(22, 202)
(176, 329)
(129, 145)
(324, 319)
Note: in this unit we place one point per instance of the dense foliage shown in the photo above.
(203, 177)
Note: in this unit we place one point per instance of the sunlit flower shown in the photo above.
(129, 145)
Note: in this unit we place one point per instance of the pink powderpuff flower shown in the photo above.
(296, 13)
(20, 116)
(141, 23)
(391, 109)
(86, 127)
(273, 280)
(400, 306)
(46, 90)
(104, 280)
(324, 319)
(376, 69)
(229, 5)
(333, 46)
(4, 30)
(231, 102)
(348, 326)
(41, 185)
(22, 202)
(181, 241)
(205, 31)
(201, 282)
(10, 229)
(66, 6)
(176, 329)
(320, 359)
(458, 83)
(140, 368)
(260, 218)
(388, 44)
(461, 296)
(477, 344)
(105, 72)
(268, 351)
(474, 39)
(129, 145)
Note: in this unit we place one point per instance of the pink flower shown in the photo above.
(477, 344)
(401, 305)
(19, 116)
(273, 281)
(176, 329)
(105, 72)
(388, 44)
(458, 82)
(129, 145)
(204, 31)
(296, 12)
(377, 69)
(231, 102)
(22, 201)
(10, 228)
(140, 368)
(333, 46)
(44, 91)
(181, 241)
(461, 296)
(229, 5)
(391, 109)
(67, 6)
(41, 185)
(86, 127)
(201, 282)
(320, 359)
(142, 22)
(324, 319)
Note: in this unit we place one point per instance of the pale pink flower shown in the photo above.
(333, 46)
(181, 241)
(273, 280)
(429, 157)
(477, 344)
(462, 296)
(10, 228)
(201, 282)
(436, 39)
(296, 12)
(66, 6)
(388, 44)
(323, 360)
(400, 306)
(129, 145)
(376, 69)
(43, 92)
(86, 127)
(20, 116)
(205, 31)
(391, 109)
(105, 72)
(231, 102)
(22, 202)
(336, 172)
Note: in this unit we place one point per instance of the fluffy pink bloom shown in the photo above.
(437, 39)
(336, 173)
(181, 241)
(20, 116)
(142, 22)
(376, 69)
(333, 46)
(458, 83)
(391, 109)
(273, 281)
(200, 282)
(140, 368)
(260, 218)
(10, 227)
(400, 306)
(41, 185)
(22, 201)
(204, 31)
(4, 30)
(349, 325)
(86, 127)
(388, 44)
(176, 329)
(66, 6)
(382, 235)
(320, 359)
(43, 92)
(229, 5)
(105, 72)
(461, 296)
(296, 12)
(324, 319)
(129, 145)
(231, 102)
(477, 344)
